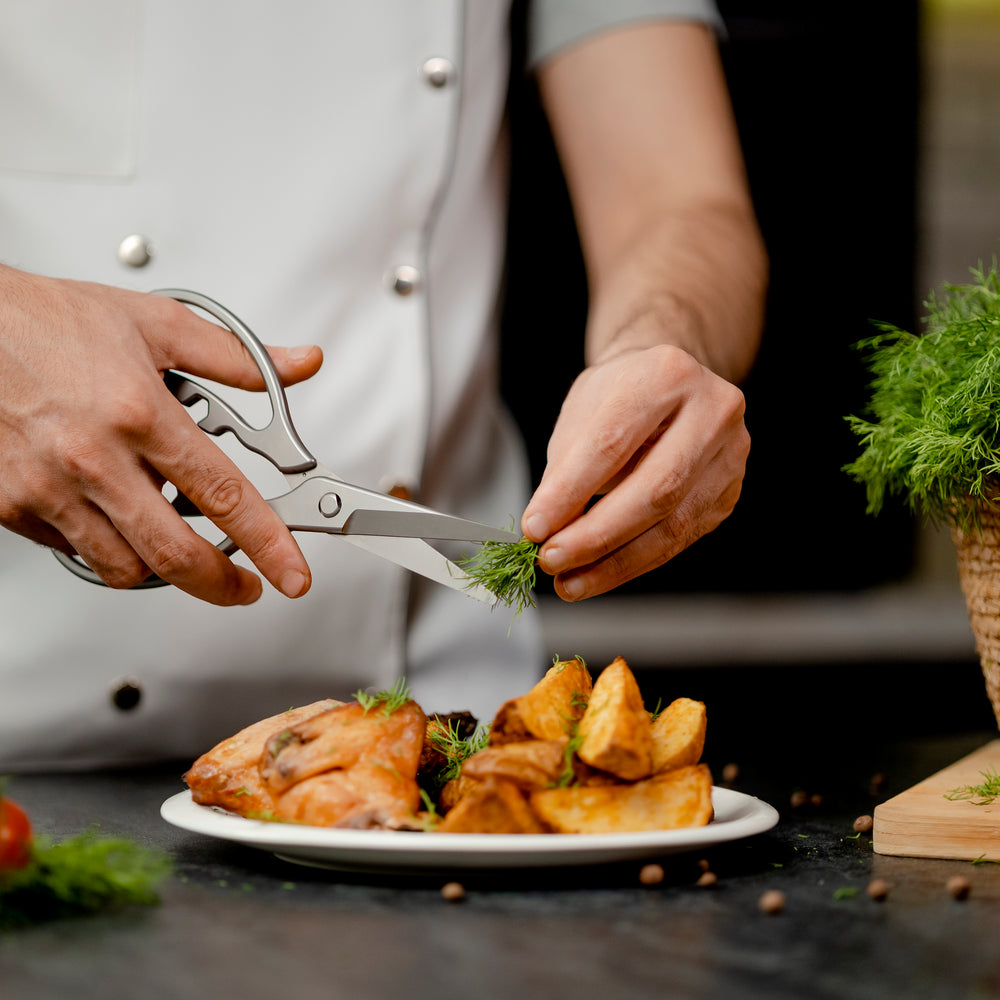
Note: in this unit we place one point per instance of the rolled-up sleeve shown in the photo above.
(553, 25)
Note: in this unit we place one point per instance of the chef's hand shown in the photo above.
(89, 433)
(663, 439)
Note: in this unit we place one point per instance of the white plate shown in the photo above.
(736, 816)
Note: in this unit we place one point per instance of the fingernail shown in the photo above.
(552, 560)
(300, 353)
(536, 527)
(574, 588)
(294, 583)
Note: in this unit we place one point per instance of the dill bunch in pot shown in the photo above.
(932, 436)
(932, 433)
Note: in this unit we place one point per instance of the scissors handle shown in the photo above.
(278, 441)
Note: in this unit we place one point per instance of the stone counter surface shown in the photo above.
(236, 922)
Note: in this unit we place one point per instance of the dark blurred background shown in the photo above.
(872, 155)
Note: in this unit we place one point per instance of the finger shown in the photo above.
(653, 491)
(179, 338)
(584, 459)
(134, 531)
(176, 553)
(89, 534)
(696, 517)
(216, 486)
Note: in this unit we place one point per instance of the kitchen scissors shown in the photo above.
(317, 499)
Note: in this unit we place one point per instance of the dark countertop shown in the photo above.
(238, 922)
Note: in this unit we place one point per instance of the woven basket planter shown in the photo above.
(979, 570)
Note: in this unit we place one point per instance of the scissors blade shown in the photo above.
(417, 556)
(422, 524)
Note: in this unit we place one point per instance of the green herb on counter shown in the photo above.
(845, 892)
(82, 874)
(983, 794)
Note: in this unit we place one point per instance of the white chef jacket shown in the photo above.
(333, 173)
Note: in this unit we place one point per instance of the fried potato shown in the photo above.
(679, 798)
(227, 775)
(494, 805)
(678, 735)
(614, 733)
(550, 710)
(453, 791)
(530, 764)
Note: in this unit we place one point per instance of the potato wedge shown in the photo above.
(550, 710)
(679, 798)
(678, 735)
(453, 791)
(495, 805)
(529, 765)
(614, 733)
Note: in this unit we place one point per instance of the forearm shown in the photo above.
(691, 278)
(645, 132)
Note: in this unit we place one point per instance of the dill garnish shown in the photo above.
(567, 776)
(506, 569)
(978, 795)
(396, 697)
(456, 750)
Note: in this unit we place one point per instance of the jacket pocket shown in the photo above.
(68, 86)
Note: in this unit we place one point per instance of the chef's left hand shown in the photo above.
(661, 438)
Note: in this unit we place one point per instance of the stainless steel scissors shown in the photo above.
(318, 500)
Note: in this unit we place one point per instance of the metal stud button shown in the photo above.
(438, 71)
(126, 695)
(135, 250)
(404, 279)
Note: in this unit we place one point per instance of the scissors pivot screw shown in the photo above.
(329, 505)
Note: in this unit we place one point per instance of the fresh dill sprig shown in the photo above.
(932, 433)
(979, 795)
(507, 570)
(397, 696)
(456, 750)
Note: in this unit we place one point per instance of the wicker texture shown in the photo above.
(979, 570)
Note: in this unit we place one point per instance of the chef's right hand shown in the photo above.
(89, 433)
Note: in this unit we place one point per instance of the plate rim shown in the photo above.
(746, 816)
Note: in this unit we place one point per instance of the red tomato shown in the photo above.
(15, 836)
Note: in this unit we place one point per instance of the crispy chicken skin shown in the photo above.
(228, 775)
(347, 767)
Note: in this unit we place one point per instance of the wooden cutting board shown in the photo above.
(922, 823)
